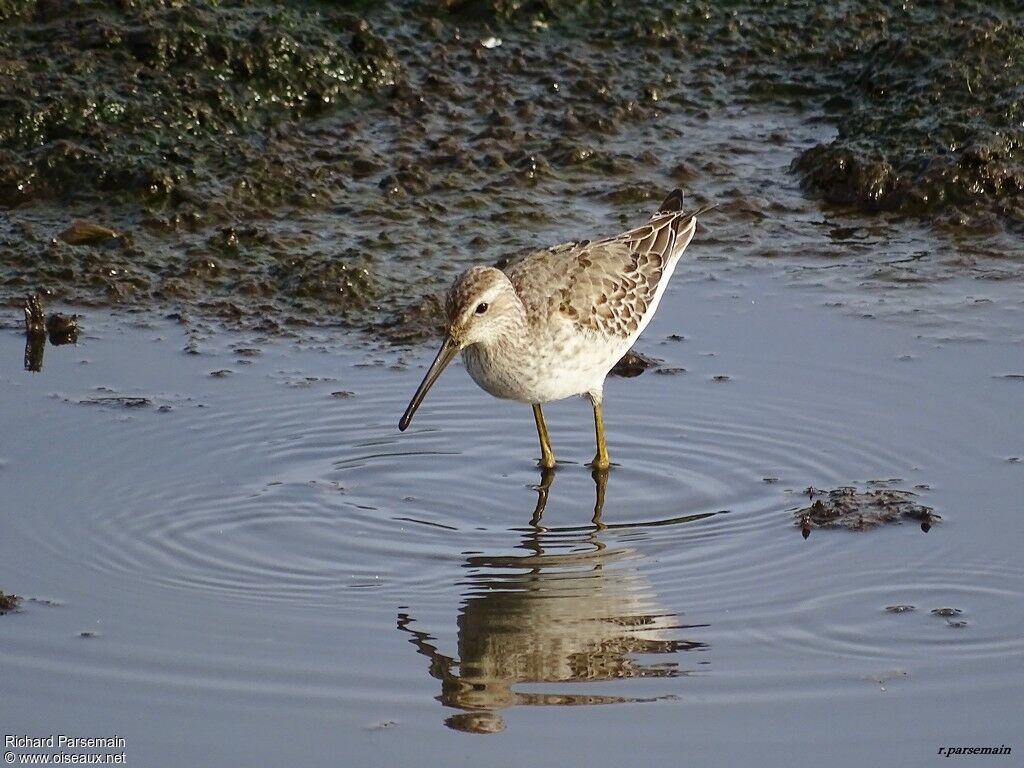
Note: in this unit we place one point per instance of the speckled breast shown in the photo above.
(541, 372)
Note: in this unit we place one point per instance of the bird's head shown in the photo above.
(482, 307)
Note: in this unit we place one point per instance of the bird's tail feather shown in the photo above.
(674, 204)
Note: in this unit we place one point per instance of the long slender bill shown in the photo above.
(449, 349)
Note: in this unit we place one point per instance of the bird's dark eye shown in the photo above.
(481, 307)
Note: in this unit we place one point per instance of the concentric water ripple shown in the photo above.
(284, 493)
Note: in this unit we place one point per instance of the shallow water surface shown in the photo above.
(265, 570)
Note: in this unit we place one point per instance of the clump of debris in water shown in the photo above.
(8, 602)
(854, 510)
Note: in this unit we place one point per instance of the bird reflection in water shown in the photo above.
(570, 610)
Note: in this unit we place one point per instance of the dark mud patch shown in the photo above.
(151, 102)
(929, 109)
(8, 602)
(855, 510)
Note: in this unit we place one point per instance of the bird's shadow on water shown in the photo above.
(566, 608)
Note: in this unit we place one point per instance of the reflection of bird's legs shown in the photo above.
(601, 482)
(547, 476)
(547, 456)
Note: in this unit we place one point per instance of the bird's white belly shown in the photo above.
(573, 364)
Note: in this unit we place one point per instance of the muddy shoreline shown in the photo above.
(307, 166)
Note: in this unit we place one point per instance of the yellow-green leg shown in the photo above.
(600, 461)
(547, 457)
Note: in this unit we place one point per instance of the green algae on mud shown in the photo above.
(933, 122)
(150, 101)
(279, 165)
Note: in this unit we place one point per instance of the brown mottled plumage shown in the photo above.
(553, 322)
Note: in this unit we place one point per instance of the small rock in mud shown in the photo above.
(87, 233)
(854, 510)
(633, 364)
(8, 602)
(946, 612)
(221, 374)
(342, 394)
